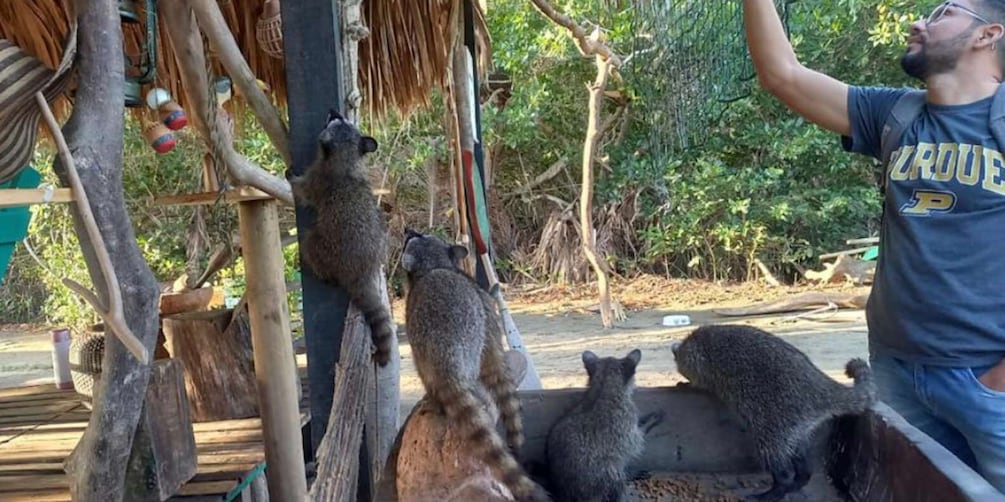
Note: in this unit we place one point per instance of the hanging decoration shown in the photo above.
(171, 113)
(269, 29)
(143, 71)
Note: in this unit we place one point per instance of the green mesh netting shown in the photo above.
(690, 60)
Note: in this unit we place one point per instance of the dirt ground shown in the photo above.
(558, 323)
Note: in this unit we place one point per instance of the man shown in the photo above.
(936, 313)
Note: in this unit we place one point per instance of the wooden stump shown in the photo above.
(163, 456)
(433, 462)
(219, 363)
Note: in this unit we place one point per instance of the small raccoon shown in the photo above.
(455, 336)
(348, 244)
(774, 389)
(588, 450)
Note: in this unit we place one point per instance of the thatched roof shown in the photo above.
(401, 61)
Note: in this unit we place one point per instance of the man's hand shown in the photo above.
(994, 378)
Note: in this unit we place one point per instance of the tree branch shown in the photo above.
(112, 314)
(586, 193)
(184, 33)
(94, 133)
(212, 23)
(588, 46)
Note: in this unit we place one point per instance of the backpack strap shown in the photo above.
(997, 114)
(904, 111)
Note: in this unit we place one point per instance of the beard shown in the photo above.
(935, 58)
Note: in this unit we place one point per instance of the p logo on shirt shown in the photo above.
(929, 202)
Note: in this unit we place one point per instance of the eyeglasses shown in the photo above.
(941, 11)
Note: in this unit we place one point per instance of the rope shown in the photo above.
(212, 124)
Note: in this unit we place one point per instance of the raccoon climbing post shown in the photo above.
(316, 81)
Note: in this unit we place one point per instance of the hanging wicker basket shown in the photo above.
(269, 29)
(86, 352)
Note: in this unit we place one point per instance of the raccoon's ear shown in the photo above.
(635, 356)
(407, 262)
(367, 145)
(589, 358)
(409, 233)
(457, 253)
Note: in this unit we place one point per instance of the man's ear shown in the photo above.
(367, 145)
(992, 35)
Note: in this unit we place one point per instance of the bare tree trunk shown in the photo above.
(586, 192)
(97, 466)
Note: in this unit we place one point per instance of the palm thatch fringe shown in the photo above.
(404, 58)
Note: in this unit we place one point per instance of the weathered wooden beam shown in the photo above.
(97, 467)
(311, 50)
(338, 470)
(275, 366)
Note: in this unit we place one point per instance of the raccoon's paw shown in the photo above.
(381, 357)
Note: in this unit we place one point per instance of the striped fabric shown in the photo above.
(21, 76)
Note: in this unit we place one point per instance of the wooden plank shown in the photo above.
(229, 196)
(35, 390)
(34, 445)
(13, 197)
(51, 495)
(207, 488)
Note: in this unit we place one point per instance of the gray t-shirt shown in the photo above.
(939, 291)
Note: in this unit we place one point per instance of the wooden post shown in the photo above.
(311, 47)
(270, 337)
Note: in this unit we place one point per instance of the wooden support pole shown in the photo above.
(275, 371)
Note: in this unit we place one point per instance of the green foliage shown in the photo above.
(760, 184)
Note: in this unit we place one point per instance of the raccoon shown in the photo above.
(588, 450)
(456, 342)
(347, 245)
(774, 389)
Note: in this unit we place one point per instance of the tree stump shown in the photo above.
(163, 456)
(216, 348)
(433, 462)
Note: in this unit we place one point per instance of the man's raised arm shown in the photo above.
(818, 98)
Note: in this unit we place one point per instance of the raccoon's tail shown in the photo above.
(368, 298)
(497, 380)
(864, 391)
(463, 408)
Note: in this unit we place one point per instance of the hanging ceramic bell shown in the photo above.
(173, 116)
(160, 137)
(157, 97)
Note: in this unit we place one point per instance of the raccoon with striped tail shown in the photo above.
(347, 246)
(776, 391)
(456, 340)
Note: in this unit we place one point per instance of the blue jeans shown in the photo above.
(952, 407)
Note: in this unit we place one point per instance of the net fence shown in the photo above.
(688, 62)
